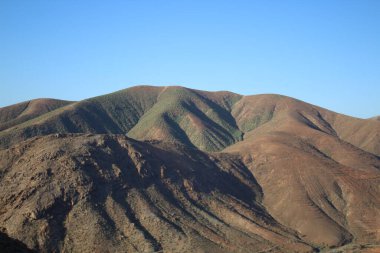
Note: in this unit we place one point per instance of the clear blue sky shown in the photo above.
(323, 52)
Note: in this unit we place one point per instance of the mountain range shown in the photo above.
(173, 169)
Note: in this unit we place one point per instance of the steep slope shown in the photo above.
(289, 176)
(312, 181)
(253, 111)
(19, 113)
(109, 193)
(113, 113)
(209, 121)
(10, 245)
(191, 117)
(361, 133)
(126, 107)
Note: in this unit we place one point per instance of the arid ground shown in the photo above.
(172, 169)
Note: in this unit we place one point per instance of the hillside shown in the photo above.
(89, 192)
(210, 121)
(22, 112)
(147, 169)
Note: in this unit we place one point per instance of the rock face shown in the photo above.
(287, 177)
(9, 245)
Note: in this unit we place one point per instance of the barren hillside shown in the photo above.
(173, 169)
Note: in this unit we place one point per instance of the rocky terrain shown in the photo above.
(171, 169)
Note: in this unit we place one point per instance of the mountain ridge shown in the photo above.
(103, 115)
(149, 169)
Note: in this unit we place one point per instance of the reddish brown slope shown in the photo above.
(85, 193)
(312, 181)
(362, 133)
(309, 176)
(209, 121)
(253, 111)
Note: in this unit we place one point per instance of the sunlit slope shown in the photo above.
(252, 112)
(191, 117)
(286, 175)
(210, 121)
(187, 116)
(313, 181)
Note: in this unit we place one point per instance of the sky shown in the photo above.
(325, 52)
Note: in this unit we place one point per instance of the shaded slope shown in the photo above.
(79, 117)
(209, 121)
(179, 114)
(113, 113)
(190, 117)
(10, 245)
(126, 107)
(109, 193)
(21, 112)
(291, 175)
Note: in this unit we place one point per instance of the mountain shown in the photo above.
(19, 113)
(210, 121)
(150, 169)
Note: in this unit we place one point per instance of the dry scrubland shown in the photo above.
(172, 169)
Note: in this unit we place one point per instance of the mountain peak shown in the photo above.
(150, 169)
